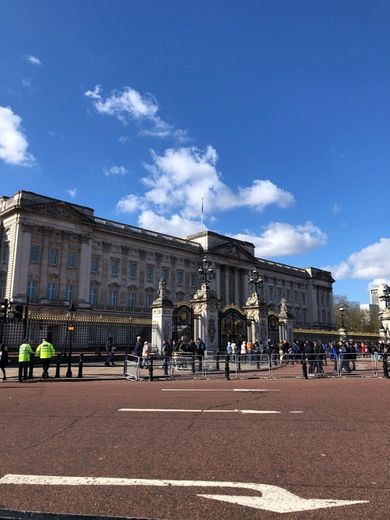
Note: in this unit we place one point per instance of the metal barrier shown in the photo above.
(307, 366)
(131, 367)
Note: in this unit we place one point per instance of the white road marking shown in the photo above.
(296, 411)
(174, 410)
(273, 498)
(219, 390)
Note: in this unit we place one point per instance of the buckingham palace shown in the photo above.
(54, 252)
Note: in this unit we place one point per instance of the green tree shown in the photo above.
(355, 318)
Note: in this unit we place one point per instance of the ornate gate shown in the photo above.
(232, 327)
(182, 322)
(273, 329)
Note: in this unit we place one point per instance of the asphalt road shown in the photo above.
(212, 455)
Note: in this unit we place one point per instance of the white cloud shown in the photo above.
(175, 225)
(129, 204)
(370, 262)
(13, 143)
(181, 177)
(336, 208)
(34, 60)
(72, 192)
(131, 105)
(115, 171)
(281, 239)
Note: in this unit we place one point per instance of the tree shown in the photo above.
(355, 318)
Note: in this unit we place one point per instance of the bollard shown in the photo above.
(166, 361)
(193, 363)
(58, 366)
(304, 368)
(227, 367)
(80, 374)
(217, 363)
(385, 357)
(151, 369)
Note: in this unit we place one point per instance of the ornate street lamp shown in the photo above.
(71, 329)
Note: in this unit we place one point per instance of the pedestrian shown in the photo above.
(110, 351)
(167, 353)
(145, 355)
(137, 351)
(25, 354)
(45, 351)
(200, 351)
(3, 360)
(385, 358)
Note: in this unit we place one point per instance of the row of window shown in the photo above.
(52, 294)
(54, 255)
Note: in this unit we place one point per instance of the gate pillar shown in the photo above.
(162, 310)
(286, 324)
(257, 314)
(205, 306)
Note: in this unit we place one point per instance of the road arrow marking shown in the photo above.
(273, 498)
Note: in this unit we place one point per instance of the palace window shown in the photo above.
(34, 254)
(93, 295)
(72, 257)
(132, 270)
(69, 293)
(193, 280)
(51, 291)
(165, 274)
(114, 267)
(131, 300)
(148, 300)
(32, 290)
(53, 256)
(95, 264)
(180, 278)
(113, 298)
(150, 273)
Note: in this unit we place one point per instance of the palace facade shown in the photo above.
(54, 252)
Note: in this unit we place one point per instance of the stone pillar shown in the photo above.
(236, 288)
(257, 311)
(162, 311)
(84, 272)
(286, 324)
(205, 306)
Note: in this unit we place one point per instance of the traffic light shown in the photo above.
(18, 312)
(3, 309)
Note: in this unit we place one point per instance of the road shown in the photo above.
(255, 449)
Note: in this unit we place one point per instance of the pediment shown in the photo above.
(233, 250)
(61, 211)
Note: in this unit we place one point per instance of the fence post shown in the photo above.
(80, 374)
(58, 366)
(227, 367)
(151, 368)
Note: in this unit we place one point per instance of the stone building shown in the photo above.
(54, 252)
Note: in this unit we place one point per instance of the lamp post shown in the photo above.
(342, 310)
(71, 328)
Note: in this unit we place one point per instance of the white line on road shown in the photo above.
(219, 390)
(273, 498)
(174, 410)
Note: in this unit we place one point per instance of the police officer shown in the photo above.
(45, 351)
(25, 352)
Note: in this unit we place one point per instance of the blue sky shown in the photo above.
(276, 113)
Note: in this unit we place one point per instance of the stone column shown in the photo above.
(21, 263)
(205, 305)
(286, 324)
(256, 310)
(84, 272)
(44, 264)
(236, 289)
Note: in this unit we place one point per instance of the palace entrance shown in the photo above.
(182, 322)
(232, 326)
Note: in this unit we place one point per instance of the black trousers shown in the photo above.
(45, 366)
(23, 367)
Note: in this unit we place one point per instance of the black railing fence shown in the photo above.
(85, 333)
